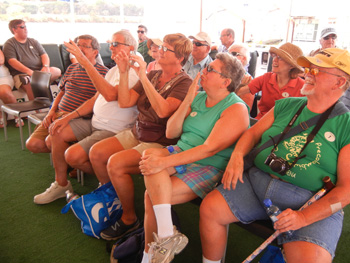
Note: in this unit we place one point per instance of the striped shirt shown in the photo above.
(77, 86)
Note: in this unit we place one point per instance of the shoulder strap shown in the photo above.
(339, 109)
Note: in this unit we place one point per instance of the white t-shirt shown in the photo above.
(108, 115)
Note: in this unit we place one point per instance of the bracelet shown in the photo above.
(78, 113)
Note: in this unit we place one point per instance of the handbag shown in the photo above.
(97, 210)
(147, 131)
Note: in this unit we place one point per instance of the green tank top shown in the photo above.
(321, 153)
(198, 125)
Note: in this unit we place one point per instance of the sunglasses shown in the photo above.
(115, 44)
(236, 54)
(328, 37)
(83, 46)
(21, 27)
(199, 44)
(140, 31)
(273, 55)
(165, 49)
(210, 69)
(315, 71)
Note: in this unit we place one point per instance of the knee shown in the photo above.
(35, 145)
(48, 142)
(114, 168)
(207, 208)
(97, 155)
(74, 157)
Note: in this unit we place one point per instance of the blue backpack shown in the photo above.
(97, 210)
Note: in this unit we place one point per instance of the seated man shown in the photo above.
(241, 52)
(317, 228)
(107, 120)
(25, 55)
(75, 88)
(328, 39)
(199, 58)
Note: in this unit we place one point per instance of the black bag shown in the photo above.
(129, 249)
(148, 131)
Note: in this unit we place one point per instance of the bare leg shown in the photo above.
(6, 95)
(36, 145)
(55, 73)
(28, 90)
(60, 143)
(301, 251)
(215, 215)
(120, 166)
(99, 155)
(76, 157)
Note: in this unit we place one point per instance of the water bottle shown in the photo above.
(180, 168)
(273, 211)
(70, 196)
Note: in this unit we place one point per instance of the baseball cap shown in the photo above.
(328, 58)
(328, 31)
(202, 36)
(155, 41)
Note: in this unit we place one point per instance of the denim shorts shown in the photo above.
(246, 203)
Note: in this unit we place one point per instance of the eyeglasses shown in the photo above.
(21, 27)
(83, 46)
(140, 31)
(225, 35)
(236, 54)
(328, 37)
(210, 69)
(199, 44)
(273, 55)
(315, 71)
(165, 49)
(115, 44)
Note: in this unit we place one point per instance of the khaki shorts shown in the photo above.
(128, 140)
(41, 132)
(17, 81)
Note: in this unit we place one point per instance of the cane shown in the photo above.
(327, 186)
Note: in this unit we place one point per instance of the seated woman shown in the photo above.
(282, 82)
(6, 85)
(317, 228)
(153, 46)
(209, 124)
(157, 95)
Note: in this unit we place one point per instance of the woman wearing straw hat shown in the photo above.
(282, 82)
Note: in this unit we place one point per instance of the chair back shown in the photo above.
(41, 85)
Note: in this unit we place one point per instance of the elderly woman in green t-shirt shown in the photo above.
(209, 122)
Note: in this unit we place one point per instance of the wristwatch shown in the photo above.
(46, 66)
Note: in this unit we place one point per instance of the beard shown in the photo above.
(305, 91)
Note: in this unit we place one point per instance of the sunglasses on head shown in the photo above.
(199, 44)
(328, 37)
(115, 44)
(316, 71)
(140, 31)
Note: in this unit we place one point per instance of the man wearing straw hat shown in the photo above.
(308, 155)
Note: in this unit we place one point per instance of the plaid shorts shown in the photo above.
(200, 178)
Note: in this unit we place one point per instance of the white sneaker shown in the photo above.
(163, 250)
(52, 193)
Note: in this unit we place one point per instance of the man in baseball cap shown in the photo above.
(328, 39)
(199, 58)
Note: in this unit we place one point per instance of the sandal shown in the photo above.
(17, 122)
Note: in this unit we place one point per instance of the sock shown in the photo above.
(145, 258)
(164, 220)
(205, 260)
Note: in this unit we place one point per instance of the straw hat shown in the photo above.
(289, 53)
(156, 41)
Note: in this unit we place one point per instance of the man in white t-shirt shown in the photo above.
(107, 119)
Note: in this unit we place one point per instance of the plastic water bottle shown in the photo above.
(70, 196)
(180, 168)
(273, 211)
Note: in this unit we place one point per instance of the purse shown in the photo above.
(148, 131)
(97, 210)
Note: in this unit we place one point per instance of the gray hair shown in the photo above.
(244, 50)
(128, 38)
(232, 68)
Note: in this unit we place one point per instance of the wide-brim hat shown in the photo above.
(156, 41)
(328, 58)
(289, 53)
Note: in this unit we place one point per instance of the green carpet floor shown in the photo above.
(33, 233)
